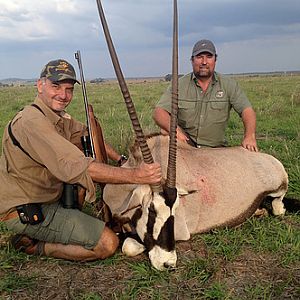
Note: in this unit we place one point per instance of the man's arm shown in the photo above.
(114, 155)
(249, 120)
(144, 174)
(162, 119)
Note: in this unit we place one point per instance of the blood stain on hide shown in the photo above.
(207, 196)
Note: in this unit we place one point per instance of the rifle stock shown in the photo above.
(97, 137)
(100, 156)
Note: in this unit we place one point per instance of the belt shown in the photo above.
(9, 216)
(194, 144)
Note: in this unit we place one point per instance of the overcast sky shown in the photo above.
(250, 35)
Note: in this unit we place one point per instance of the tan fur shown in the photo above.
(224, 186)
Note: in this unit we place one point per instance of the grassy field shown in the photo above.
(258, 260)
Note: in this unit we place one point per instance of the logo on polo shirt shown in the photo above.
(220, 94)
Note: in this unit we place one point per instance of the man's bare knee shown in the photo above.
(107, 244)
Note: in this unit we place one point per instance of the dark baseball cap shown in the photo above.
(204, 46)
(58, 70)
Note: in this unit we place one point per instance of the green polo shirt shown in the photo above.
(204, 116)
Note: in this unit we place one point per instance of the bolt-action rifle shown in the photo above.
(93, 144)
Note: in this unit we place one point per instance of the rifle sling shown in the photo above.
(16, 142)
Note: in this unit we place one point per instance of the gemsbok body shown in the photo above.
(218, 187)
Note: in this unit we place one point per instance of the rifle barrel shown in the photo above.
(85, 99)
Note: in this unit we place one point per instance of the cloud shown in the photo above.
(33, 20)
(35, 31)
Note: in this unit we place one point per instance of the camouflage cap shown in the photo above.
(58, 70)
(204, 46)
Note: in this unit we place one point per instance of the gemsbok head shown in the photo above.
(154, 223)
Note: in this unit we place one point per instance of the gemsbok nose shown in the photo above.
(169, 266)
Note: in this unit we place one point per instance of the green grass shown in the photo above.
(258, 260)
(15, 283)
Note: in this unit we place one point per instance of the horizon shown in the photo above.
(250, 35)
(161, 76)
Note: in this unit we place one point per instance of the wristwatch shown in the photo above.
(122, 160)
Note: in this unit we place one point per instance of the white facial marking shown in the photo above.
(163, 213)
(131, 247)
(175, 205)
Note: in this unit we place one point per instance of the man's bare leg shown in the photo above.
(106, 247)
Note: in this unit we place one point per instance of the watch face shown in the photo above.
(122, 160)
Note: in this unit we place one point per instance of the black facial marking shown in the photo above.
(170, 195)
(136, 216)
(166, 238)
(149, 241)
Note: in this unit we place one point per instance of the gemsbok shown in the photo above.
(205, 188)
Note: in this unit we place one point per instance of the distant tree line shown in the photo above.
(168, 77)
(97, 80)
(4, 84)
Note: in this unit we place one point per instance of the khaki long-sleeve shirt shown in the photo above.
(50, 140)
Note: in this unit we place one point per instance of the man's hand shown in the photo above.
(249, 143)
(163, 119)
(249, 120)
(181, 136)
(148, 173)
(143, 174)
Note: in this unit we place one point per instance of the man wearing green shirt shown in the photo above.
(204, 104)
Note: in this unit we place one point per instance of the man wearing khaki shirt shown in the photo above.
(39, 155)
(205, 100)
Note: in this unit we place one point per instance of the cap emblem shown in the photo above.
(63, 66)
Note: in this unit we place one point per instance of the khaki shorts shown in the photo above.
(61, 225)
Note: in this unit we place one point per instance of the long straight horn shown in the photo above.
(126, 95)
(171, 171)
